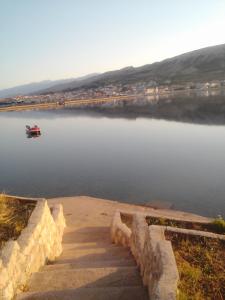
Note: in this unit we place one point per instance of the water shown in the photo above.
(131, 160)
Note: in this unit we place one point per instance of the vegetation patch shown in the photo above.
(217, 226)
(201, 266)
(14, 216)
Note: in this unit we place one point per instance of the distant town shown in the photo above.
(113, 90)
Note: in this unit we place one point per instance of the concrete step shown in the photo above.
(89, 277)
(86, 255)
(87, 234)
(90, 264)
(96, 250)
(87, 245)
(109, 293)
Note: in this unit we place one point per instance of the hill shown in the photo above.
(35, 87)
(200, 65)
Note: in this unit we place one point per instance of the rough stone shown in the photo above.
(139, 227)
(120, 233)
(38, 242)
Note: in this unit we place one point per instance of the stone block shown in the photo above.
(7, 292)
(153, 235)
(120, 233)
(137, 240)
(9, 252)
(4, 278)
(164, 276)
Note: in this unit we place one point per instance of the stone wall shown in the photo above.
(38, 243)
(153, 254)
(160, 272)
(194, 232)
(139, 228)
(153, 235)
(120, 233)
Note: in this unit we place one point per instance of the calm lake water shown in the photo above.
(131, 160)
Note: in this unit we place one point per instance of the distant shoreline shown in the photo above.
(190, 107)
(68, 103)
(151, 94)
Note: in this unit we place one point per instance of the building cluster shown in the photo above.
(113, 90)
(170, 88)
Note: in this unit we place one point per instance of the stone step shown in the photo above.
(86, 255)
(109, 293)
(87, 234)
(87, 245)
(90, 264)
(73, 248)
(89, 277)
(88, 230)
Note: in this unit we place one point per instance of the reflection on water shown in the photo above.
(129, 157)
(33, 135)
(192, 106)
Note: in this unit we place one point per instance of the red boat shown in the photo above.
(33, 130)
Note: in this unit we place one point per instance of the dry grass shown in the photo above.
(14, 215)
(201, 265)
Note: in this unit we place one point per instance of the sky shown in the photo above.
(57, 39)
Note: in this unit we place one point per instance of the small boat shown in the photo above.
(33, 130)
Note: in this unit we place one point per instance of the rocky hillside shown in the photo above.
(35, 87)
(199, 65)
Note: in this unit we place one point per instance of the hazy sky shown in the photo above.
(55, 39)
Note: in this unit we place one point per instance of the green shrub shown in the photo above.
(219, 225)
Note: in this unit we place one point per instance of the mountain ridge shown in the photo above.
(34, 87)
(204, 64)
(200, 65)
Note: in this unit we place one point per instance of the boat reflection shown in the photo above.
(33, 135)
